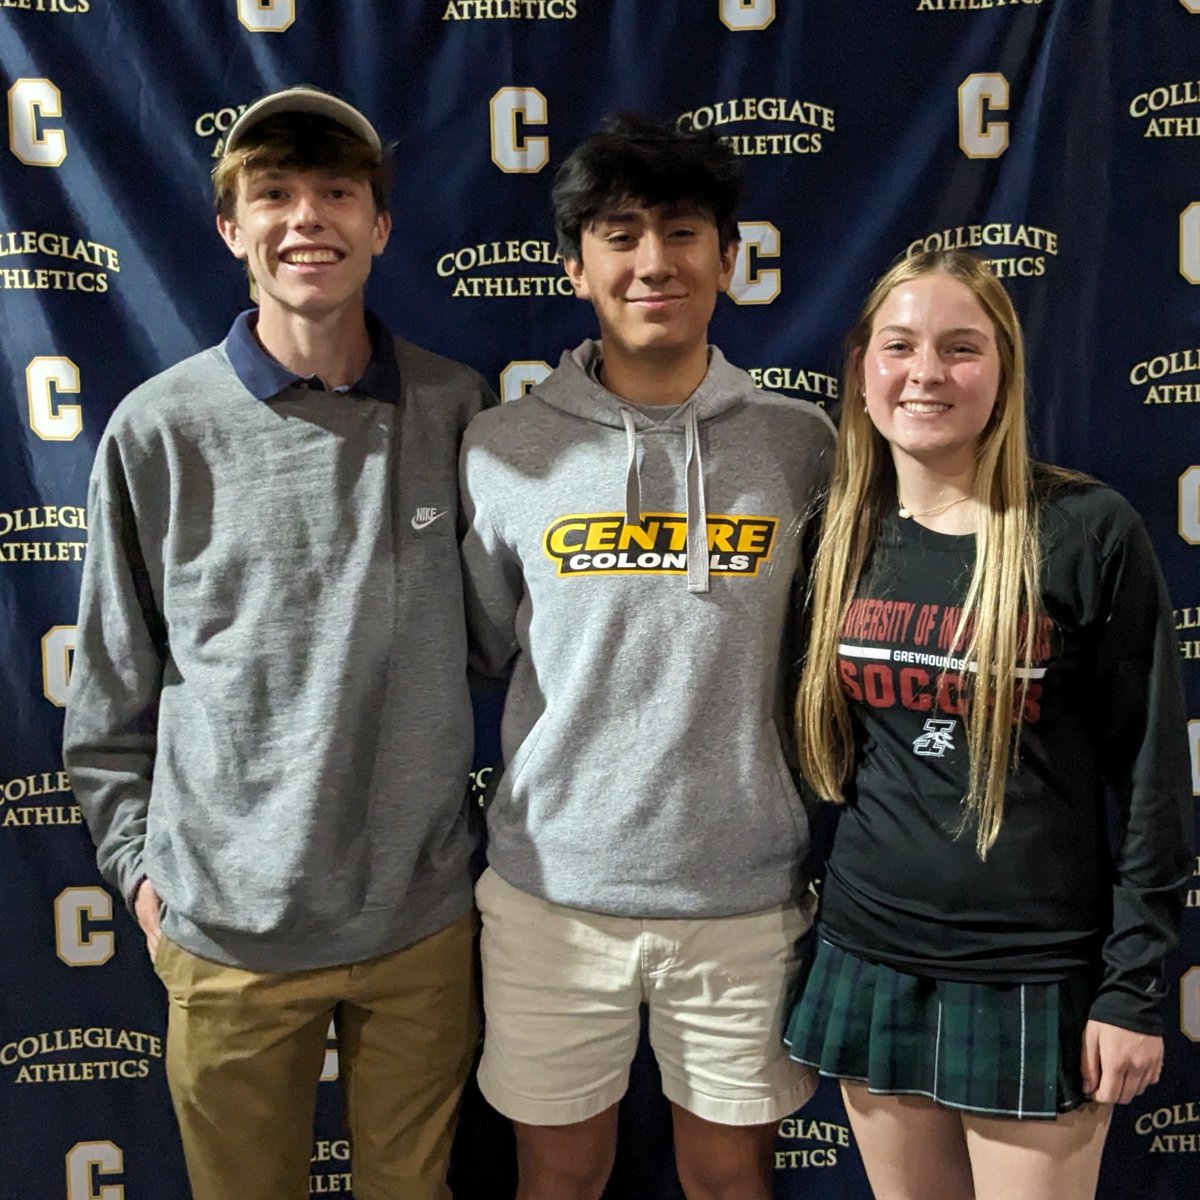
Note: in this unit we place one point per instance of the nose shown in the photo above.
(926, 365)
(653, 260)
(306, 210)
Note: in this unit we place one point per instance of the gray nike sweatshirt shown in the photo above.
(269, 716)
(637, 573)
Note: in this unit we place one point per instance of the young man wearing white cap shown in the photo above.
(270, 731)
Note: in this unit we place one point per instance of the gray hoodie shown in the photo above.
(638, 572)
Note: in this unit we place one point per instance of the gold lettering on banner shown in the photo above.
(512, 252)
(216, 123)
(55, 245)
(970, 5)
(70, 7)
(32, 142)
(815, 385)
(509, 10)
(746, 15)
(1172, 95)
(43, 517)
(24, 801)
(996, 235)
(24, 1055)
(769, 109)
(825, 1138)
(86, 1160)
(330, 1150)
(266, 16)
(1149, 372)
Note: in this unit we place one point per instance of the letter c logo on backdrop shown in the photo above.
(1194, 741)
(1189, 241)
(1193, 6)
(76, 946)
(1189, 1003)
(29, 100)
(58, 645)
(266, 16)
(510, 152)
(45, 375)
(747, 14)
(518, 377)
(104, 1158)
(1189, 506)
(977, 136)
(758, 239)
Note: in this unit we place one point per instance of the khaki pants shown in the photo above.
(245, 1050)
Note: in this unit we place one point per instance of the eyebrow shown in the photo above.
(958, 332)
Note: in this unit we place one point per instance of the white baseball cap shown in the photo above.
(305, 99)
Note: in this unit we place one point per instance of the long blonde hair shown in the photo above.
(1002, 611)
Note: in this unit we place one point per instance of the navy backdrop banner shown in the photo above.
(1059, 137)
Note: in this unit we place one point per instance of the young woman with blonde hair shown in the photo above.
(992, 654)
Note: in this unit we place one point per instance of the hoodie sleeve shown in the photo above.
(1146, 764)
(110, 735)
(492, 577)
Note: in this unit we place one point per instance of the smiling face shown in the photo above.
(931, 371)
(653, 275)
(307, 237)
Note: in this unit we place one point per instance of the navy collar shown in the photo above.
(264, 378)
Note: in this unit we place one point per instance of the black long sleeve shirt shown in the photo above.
(1103, 720)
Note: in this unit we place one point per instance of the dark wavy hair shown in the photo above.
(632, 158)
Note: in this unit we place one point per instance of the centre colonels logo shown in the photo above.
(603, 544)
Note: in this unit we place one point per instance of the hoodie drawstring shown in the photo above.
(633, 485)
(697, 508)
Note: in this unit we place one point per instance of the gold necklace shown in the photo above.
(906, 513)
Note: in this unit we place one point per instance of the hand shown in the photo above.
(146, 906)
(1118, 1064)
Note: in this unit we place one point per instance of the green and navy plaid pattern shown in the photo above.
(978, 1047)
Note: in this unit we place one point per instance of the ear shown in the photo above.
(578, 277)
(728, 261)
(231, 235)
(381, 233)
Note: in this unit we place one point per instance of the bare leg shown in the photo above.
(722, 1162)
(912, 1148)
(566, 1162)
(1038, 1160)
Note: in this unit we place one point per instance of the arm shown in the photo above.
(1145, 757)
(492, 579)
(109, 739)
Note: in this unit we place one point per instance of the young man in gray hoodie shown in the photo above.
(270, 730)
(635, 547)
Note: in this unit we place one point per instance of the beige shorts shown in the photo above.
(562, 988)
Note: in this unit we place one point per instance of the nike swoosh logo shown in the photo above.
(419, 523)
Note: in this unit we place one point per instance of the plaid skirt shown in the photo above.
(1007, 1050)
